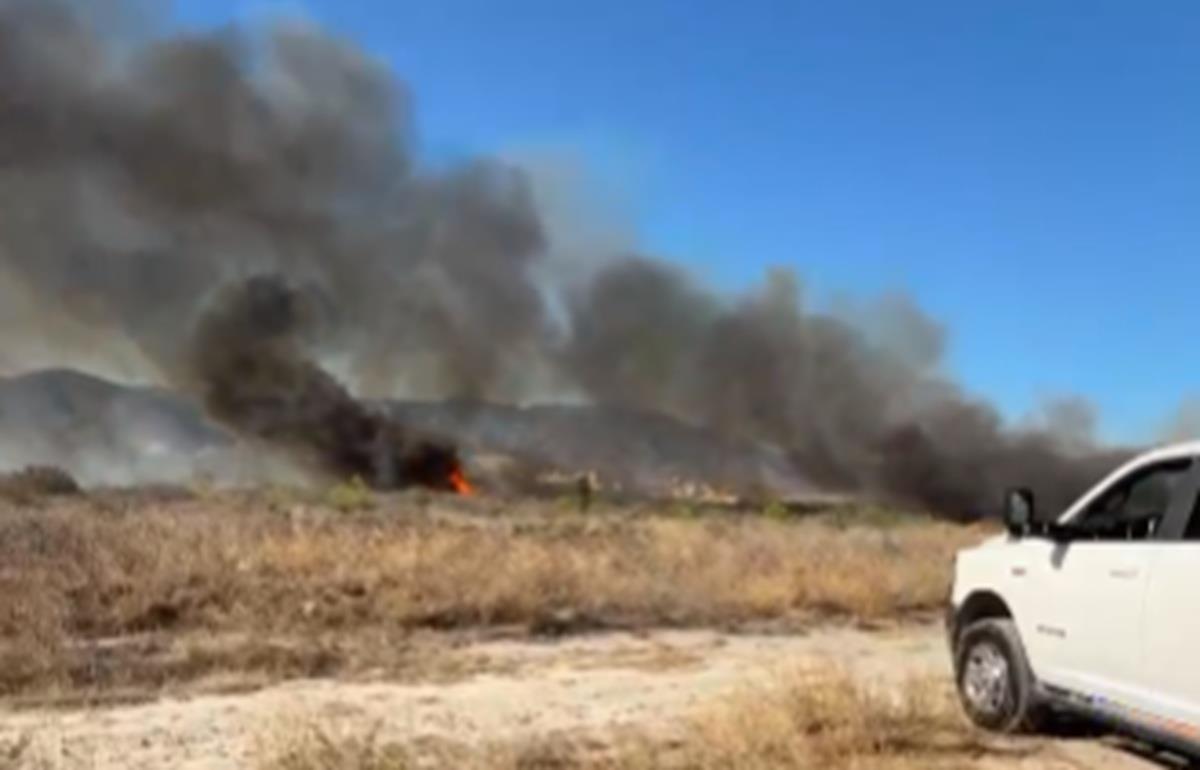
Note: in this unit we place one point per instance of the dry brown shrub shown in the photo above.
(325, 747)
(14, 752)
(30, 485)
(314, 748)
(827, 719)
(88, 569)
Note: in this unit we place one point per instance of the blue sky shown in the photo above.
(1029, 170)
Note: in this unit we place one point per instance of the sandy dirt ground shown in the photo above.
(589, 685)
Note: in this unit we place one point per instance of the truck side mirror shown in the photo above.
(1018, 511)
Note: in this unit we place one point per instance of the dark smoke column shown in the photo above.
(139, 171)
(249, 366)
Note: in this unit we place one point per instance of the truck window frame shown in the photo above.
(1180, 507)
(1191, 513)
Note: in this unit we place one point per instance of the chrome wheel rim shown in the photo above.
(985, 679)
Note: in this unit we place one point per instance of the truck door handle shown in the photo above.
(1124, 574)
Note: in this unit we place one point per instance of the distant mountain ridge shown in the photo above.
(100, 431)
(107, 433)
(639, 450)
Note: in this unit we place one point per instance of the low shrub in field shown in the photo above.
(32, 484)
(350, 496)
(828, 720)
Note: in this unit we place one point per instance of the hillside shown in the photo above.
(107, 433)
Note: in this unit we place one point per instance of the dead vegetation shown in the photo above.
(33, 484)
(13, 752)
(112, 592)
(808, 719)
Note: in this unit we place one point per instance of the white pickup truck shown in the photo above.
(1095, 612)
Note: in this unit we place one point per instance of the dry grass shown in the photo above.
(808, 720)
(270, 569)
(13, 753)
(827, 720)
(30, 485)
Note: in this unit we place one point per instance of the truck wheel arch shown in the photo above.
(980, 605)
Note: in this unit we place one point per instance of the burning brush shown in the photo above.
(458, 480)
(254, 375)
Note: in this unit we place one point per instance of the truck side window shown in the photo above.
(1193, 527)
(1134, 508)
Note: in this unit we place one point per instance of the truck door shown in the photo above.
(1087, 622)
(1172, 623)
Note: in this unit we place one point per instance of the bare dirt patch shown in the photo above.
(579, 697)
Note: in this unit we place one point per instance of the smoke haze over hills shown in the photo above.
(147, 179)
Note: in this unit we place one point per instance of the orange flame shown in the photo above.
(459, 481)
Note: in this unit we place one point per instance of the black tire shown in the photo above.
(995, 684)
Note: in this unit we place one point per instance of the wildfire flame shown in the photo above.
(458, 480)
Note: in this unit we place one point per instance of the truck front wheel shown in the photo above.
(995, 683)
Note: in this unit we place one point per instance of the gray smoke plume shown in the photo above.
(1183, 424)
(158, 186)
(247, 365)
(859, 406)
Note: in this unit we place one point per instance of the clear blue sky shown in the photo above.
(1029, 170)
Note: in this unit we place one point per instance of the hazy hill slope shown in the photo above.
(108, 433)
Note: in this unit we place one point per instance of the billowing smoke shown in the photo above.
(143, 180)
(247, 207)
(247, 365)
(859, 402)
(1184, 423)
